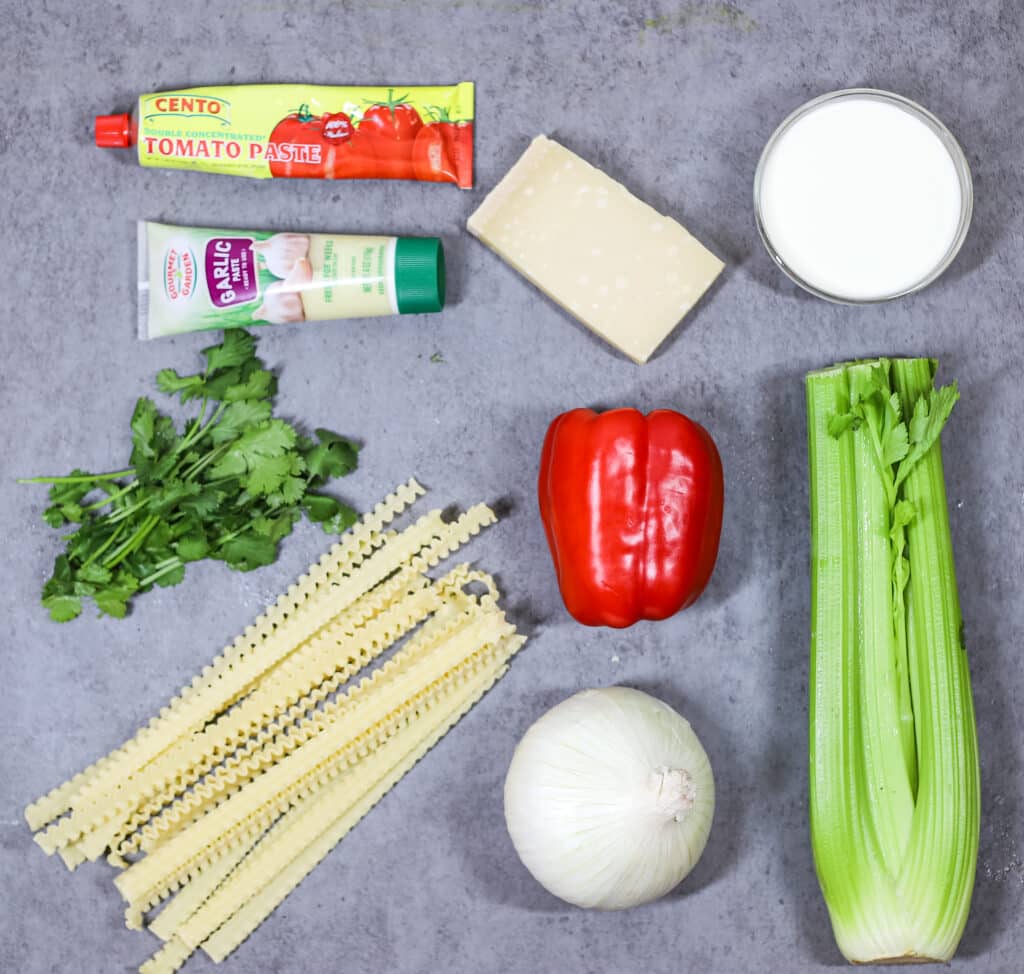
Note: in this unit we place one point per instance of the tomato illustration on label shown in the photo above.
(392, 121)
(337, 127)
(442, 147)
(392, 140)
(296, 146)
(430, 157)
(353, 159)
(382, 145)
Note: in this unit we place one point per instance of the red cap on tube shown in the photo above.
(114, 131)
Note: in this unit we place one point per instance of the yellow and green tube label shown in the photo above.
(310, 131)
(198, 278)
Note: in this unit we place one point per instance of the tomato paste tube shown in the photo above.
(303, 131)
(195, 279)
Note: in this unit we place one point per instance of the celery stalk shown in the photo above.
(894, 791)
(938, 875)
(887, 778)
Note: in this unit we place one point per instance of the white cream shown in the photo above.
(860, 198)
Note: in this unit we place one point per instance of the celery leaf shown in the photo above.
(930, 415)
(840, 423)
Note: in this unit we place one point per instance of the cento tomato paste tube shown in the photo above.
(195, 278)
(303, 131)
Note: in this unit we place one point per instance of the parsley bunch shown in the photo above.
(229, 486)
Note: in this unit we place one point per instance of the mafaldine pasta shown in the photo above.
(228, 798)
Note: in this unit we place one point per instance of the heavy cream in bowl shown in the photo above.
(862, 195)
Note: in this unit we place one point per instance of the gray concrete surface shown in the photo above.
(676, 100)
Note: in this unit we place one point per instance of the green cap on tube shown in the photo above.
(419, 275)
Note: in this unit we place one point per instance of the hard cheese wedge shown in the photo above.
(622, 268)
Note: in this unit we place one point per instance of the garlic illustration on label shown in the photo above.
(281, 251)
(282, 302)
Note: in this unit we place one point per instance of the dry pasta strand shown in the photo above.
(272, 753)
(262, 904)
(93, 806)
(354, 543)
(381, 697)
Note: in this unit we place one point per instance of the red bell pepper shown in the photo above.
(632, 508)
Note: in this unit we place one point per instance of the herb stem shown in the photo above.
(110, 498)
(133, 543)
(225, 538)
(106, 544)
(164, 568)
(196, 467)
(114, 516)
(198, 430)
(79, 479)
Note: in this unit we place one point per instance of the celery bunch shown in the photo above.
(894, 785)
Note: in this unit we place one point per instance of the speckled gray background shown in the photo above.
(676, 100)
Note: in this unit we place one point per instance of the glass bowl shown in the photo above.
(947, 139)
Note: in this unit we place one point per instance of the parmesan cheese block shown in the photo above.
(626, 271)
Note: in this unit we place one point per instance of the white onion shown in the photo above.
(609, 799)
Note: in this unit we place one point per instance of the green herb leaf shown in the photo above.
(204, 504)
(170, 494)
(248, 551)
(95, 573)
(113, 602)
(237, 348)
(192, 547)
(153, 435)
(266, 440)
(239, 416)
(54, 517)
(342, 521)
(331, 514)
(293, 488)
(63, 608)
(333, 456)
(61, 572)
(230, 485)
(190, 386)
(173, 577)
(319, 507)
(269, 474)
(257, 385)
(69, 493)
(276, 528)
(143, 424)
(216, 385)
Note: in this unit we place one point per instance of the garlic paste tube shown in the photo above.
(196, 279)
